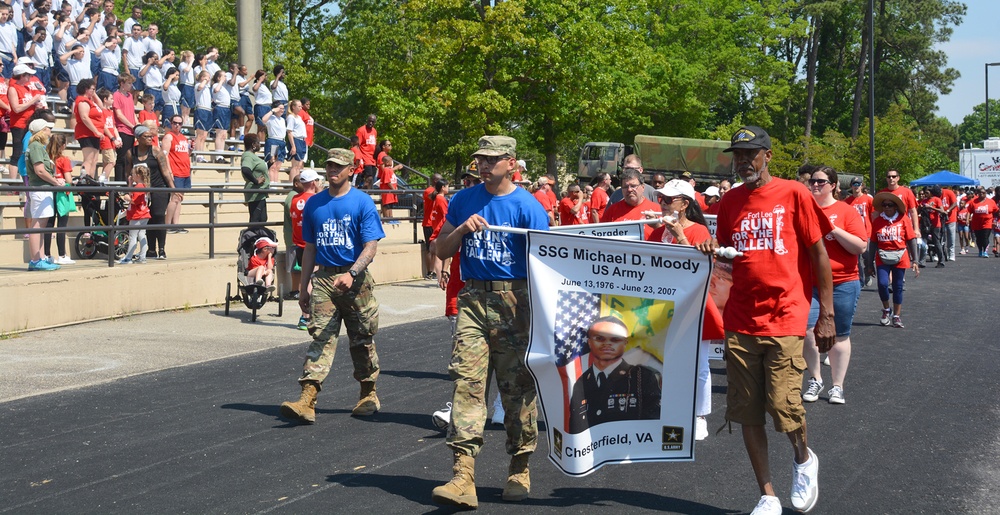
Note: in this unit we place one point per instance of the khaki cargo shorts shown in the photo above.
(765, 374)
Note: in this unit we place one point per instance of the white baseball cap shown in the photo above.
(677, 187)
(308, 175)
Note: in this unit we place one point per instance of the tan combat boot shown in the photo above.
(303, 409)
(518, 480)
(369, 403)
(461, 490)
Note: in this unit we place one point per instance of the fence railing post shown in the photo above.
(211, 220)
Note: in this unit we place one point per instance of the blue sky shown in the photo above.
(974, 43)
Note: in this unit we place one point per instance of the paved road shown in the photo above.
(189, 424)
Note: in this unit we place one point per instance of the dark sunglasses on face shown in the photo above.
(888, 204)
(818, 182)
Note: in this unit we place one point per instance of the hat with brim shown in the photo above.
(40, 125)
(340, 156)
(21, 69)
(712, 191)
(749, 137)
(886, 196)
(677, 188)
(308, 175)
(490, 146)
(265, 242)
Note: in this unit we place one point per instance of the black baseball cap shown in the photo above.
(749, 137)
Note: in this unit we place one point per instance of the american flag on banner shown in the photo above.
(575, 311)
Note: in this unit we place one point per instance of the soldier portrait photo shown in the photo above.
(611, 389)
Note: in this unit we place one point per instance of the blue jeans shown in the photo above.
(897, 274)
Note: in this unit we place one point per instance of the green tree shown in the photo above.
(972, 130)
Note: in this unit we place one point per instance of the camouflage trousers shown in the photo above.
(358, 309)
(492, 334)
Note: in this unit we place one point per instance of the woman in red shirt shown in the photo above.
(689, 228)
(387, 181)
(981, 211)
(88, 111)
(896, 250)
(847, 240)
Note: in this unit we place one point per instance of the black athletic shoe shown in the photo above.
(163, 255)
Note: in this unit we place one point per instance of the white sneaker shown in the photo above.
(65, 260)
(50, 259)
(700, 429)
(498, 412)
(826, 360)
(837, 395)
(805, 483)
(442, 418)
(812, 391)
(768, 505)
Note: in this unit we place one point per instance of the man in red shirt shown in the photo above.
(778, 227)
(862, 202)
(310, 125)
(949, 202)
(428, 227)
(931, 206)
(367, 139)
(178, 150)
(573, 208)
(542, 196)
(599, 198)
(633, 203)
(310, 186)
(906, 195)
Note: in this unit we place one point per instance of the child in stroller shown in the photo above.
(260, 270)
(88, 244)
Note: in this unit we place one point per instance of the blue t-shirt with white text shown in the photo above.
(494, 255)
(339, 227)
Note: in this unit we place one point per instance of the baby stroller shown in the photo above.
(253, 296)
(88, 244)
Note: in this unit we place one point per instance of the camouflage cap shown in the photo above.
(496, 146)
(340, 156)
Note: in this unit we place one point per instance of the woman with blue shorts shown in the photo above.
(262, 102)
(171, 96)
(221, 112)
(843, 244)
(202, 112)
(186, 83)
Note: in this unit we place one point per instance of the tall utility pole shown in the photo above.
(871, 95)
(249, 34)
(988, 97)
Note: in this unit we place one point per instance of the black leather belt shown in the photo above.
(334, 269)
(516, 284)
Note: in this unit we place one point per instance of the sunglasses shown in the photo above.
(888, 204)
(490, 160)
(669, 200)
(891, 176)
(818, 182)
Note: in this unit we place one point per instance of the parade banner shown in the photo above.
(718, 289)
(632, 230)
(615, 335)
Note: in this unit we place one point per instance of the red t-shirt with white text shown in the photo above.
(843, 264)
(893, 235)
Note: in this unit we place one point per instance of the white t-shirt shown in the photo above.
(212, 68)
(153, 78)
(79, 69)
(220, 95)
(134, 50)
(8, 38)
(187, 73)
(281, 91)
(155, 45)
(42, 51)
(276, 127)
(296, 126)
(128, 25)
(111, 60)
(172, 95)
(97, 38)
(234, 89)
(203, 97)
(263, 96)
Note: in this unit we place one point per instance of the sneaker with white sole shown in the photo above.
(700, 429)
(768, 505)
(65, 260)
(805, 483)
(442, 418)
(837, 395)
(813, 390)
(886, 313)
(498, 412)
(826, 360)
(897, 322)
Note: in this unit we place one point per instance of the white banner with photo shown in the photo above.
(615, 335)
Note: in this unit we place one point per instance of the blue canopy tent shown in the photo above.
(944, 178)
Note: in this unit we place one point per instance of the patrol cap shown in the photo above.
(687, 175)
(749, 137)
(340, 156)
(496, 146)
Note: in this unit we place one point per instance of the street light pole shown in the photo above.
(987, 66)
(871, 95)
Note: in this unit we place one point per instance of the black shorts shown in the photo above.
(298, 256)
(90, 143)
(428, 231)
(369, 173)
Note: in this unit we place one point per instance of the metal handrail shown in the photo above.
(113, 192)
(348, 139)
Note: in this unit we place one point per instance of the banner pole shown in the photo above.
(518, 230)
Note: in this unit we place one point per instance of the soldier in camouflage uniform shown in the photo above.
(493, 320)
(341, 228)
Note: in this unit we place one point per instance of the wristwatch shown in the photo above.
(354, 275)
